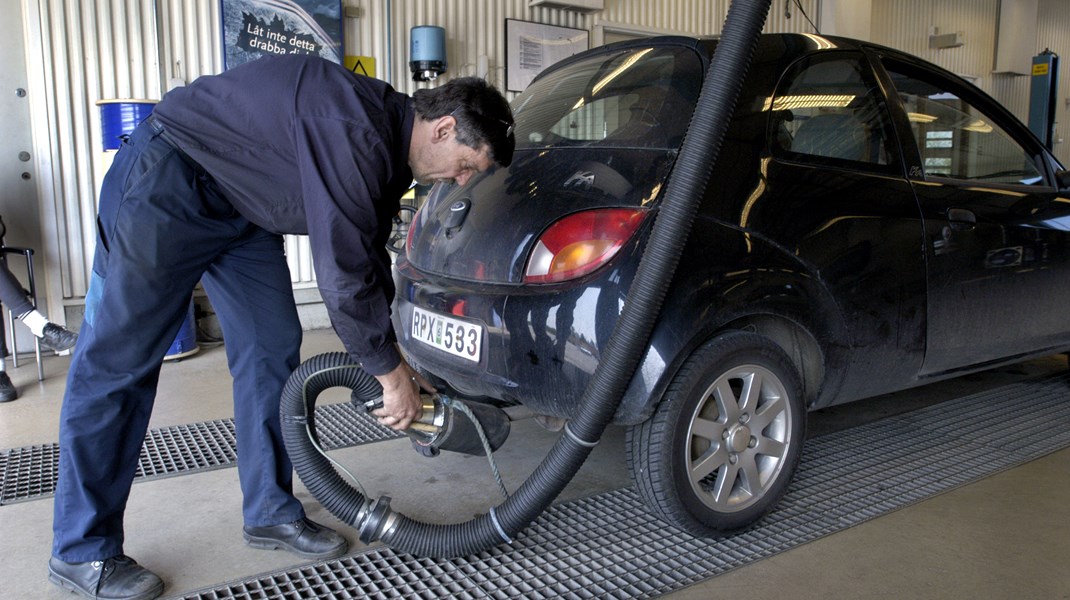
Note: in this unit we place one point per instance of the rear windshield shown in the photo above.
(634, 98)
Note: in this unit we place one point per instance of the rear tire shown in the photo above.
(723, 445)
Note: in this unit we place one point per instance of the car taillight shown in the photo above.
(580, 243)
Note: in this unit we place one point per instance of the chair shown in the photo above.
(27, 253)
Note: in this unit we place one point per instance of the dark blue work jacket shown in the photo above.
(300, 145)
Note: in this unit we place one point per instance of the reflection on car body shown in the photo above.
(1004, 257)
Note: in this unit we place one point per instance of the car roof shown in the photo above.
(790, 43)
(772, 48)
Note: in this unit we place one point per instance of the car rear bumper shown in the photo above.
(537, 348)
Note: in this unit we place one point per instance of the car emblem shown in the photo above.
(581, 178)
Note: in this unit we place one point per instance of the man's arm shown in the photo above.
(343, 175)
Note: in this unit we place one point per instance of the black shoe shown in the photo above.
(7, 389)
(57, 338)
(117, 578)
(304, 538)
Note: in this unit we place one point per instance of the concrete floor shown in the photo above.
(1005, 536)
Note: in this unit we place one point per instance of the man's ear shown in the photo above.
(442, 128)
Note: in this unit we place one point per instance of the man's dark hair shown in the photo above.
(482, 113)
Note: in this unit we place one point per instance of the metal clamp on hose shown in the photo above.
(376, 520)
(577, 439)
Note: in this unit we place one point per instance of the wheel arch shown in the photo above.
(801, 320)
(796, 341)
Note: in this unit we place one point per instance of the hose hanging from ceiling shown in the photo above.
(374, 519)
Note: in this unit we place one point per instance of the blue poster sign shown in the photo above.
(254, 28)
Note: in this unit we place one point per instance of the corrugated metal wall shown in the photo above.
(93, 49)
(81, 52)
(907, 24)
(189, 40)
(476, 28)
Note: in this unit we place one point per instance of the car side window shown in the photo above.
(830, 107)
(955, 139)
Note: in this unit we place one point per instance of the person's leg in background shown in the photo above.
(52, 336)
(8, 392)
(250, 289)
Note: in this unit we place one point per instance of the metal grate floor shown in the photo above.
(30, 472)
(610, 546)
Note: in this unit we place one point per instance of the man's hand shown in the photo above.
(401, 396)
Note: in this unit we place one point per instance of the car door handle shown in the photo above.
(961, 219)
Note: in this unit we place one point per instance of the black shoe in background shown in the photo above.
(117, 578)
(7, 389)
(57, 338)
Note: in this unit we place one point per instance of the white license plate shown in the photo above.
(457, 337)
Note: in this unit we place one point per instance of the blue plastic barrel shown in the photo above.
(185, 343)
(120, 117)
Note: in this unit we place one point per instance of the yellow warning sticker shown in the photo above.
(1040, 69)
(361, 65)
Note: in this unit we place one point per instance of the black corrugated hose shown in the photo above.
(629, 340)
(297, 411)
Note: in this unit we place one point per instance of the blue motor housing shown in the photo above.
(427, 52)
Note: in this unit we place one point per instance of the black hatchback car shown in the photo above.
(873, 223)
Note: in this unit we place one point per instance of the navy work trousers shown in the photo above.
(162, 226)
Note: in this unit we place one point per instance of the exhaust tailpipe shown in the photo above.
(442, 426)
